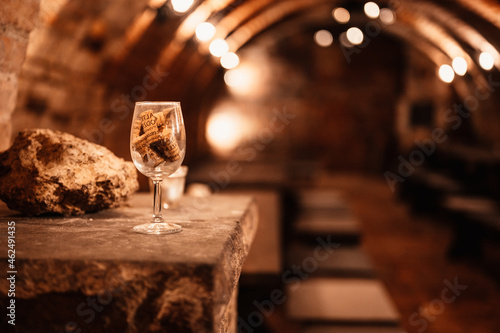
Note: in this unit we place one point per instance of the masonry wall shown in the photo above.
(17, 19)
(61, 86)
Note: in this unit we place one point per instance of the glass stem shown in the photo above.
(157, 218)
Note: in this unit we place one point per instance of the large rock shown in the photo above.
(48, 171)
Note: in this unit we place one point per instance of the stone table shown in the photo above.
(93, 274)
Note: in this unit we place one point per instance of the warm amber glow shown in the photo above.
(355, 36)
(229, 60)
(182, 6)
(226, 130)
(205, 31)
(460, 66)
(246, 80)
(446, 73)
(486, 61)
(235, 78)
(387, 16)
(341, 15)
(323, 38)
(218, 47)
(372, 10)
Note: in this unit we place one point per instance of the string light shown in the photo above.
(387, 16)
(355, 36)
(446, 73)
(341, 15)
(460, 66)
(229, 60)
(218, 47)
(372, 10)
(486, 61)
(323, 38)
(182, 6)
(205, 31)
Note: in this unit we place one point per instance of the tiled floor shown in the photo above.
(409, 254)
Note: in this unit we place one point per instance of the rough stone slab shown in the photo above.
(141, 283)
(341, 300)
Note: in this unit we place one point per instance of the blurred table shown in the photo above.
(92, 273)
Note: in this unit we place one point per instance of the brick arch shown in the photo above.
(88, 55)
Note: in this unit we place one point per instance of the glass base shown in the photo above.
(158, 228)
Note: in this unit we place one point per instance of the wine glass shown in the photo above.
(157, 147)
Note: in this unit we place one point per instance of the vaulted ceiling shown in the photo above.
(127, 36)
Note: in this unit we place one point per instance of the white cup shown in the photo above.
(173, 187)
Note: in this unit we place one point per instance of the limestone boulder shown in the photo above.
(50, 172)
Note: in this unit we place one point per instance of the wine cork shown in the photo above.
(160, 119)
(136, 129)
(147, 154)
(170, 147)
(155, 156)
(163, 119)
(148, 121)
(153, 138)
(166, 115)
(141, 145)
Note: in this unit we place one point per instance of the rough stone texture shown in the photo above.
(138, 283)
(17, 19)
(48, 171)
(61, 84)
(21, 14)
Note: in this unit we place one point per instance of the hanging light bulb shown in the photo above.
(218, 47)
(182, 6)
(355, 36)
(372, 10)
(387, 16)
(460, 66)
(323, 38)
(341, 15)
(229, 60)
(486, 61)
(446, 73)
(205, 31)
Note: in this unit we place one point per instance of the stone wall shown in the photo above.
(17, 19)
(60, 86)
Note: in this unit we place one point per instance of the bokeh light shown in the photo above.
(460, 66)
(229, 60)
(233, 78)
(218, 47)
(387, 16)
(341, 15)
(372, 10)
(486, 61)
(355, 36)
(224, 131)
(323, 38)
(446, 73)
(205, 31)
(182, 6)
